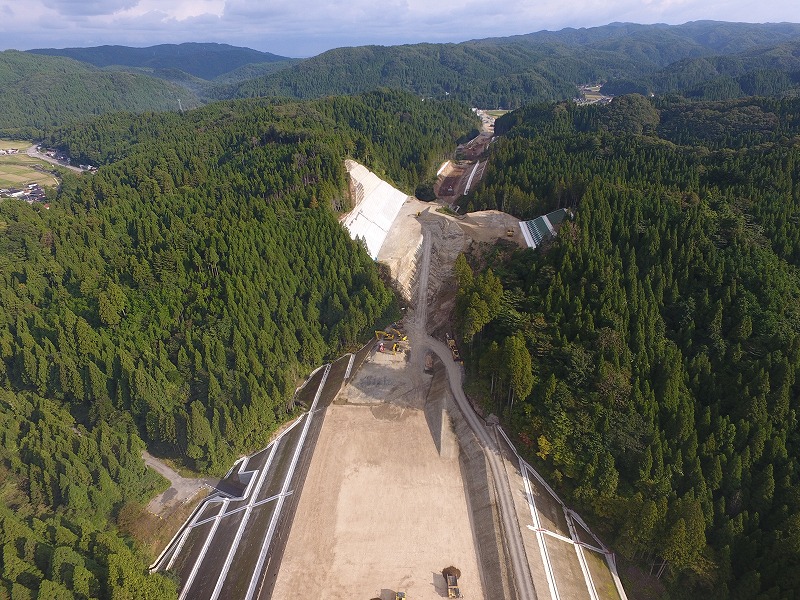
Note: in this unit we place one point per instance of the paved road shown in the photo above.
(34, 154)
(512, 535)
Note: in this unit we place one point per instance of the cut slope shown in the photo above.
(376, 205)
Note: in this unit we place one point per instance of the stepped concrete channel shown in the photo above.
(313, 515)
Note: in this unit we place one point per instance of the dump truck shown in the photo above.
(452, 587)
(451, 575)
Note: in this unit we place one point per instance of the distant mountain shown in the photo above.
(38, 92)
(669, 41)
(203, 60)
(758, 72)
(252, 70)
(702, 59)
(508, 72)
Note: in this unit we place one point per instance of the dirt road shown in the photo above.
(182, 489)
(513, 538)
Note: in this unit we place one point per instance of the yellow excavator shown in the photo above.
(400, 335)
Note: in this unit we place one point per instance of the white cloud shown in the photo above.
(81, 8)
(307, 27)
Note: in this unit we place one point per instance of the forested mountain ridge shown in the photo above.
(704, 59)
(508, 72)
(40, 92)
(178, 296)
(661, 328)
(203, 60)
(771, 71)
(198, 67)
(701, 37)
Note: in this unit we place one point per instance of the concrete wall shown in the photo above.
(376, 206)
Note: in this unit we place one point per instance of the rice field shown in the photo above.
(19, 170)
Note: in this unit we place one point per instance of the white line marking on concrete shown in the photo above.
(349, 367)
(471, 175)
(262, 556)
(272, 498)
(548, 567)
(206, 544)
(586, 575)
(612, 564)
(577, 518)
(184, 536)
(248, 509)
(558, 536)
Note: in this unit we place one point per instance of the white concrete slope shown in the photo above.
(377, 205)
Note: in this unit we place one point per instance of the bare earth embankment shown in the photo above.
(382, 511)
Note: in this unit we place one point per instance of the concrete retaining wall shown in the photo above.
(376, 206)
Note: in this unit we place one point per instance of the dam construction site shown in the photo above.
(390, 485)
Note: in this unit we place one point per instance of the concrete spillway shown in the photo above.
(376, 206)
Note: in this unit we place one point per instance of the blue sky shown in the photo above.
(307, 27)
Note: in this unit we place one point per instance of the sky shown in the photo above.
(302, 28)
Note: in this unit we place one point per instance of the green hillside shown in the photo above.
(507, 72)
(178, 296)
(762, 72)
(704, 60)
(203, 60)
(660, 329)
(39, 92)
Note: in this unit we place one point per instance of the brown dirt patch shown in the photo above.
(381, 511)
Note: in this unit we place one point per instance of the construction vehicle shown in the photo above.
(400, 335)
(451, 575)
(452, 587)
(451, 343)
(400, 596)
(383, 335)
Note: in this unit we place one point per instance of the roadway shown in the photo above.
(497, 448)
(515, 549)
(32, 152)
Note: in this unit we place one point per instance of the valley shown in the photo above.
(400, 478)
(610, 413)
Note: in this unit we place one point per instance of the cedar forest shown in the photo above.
(647, 358)
(177, 297)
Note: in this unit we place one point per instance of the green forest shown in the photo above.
(646, 360)
(177, 298)
(648, 357)
(41, 92)
(702, 60)
(706, 60)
